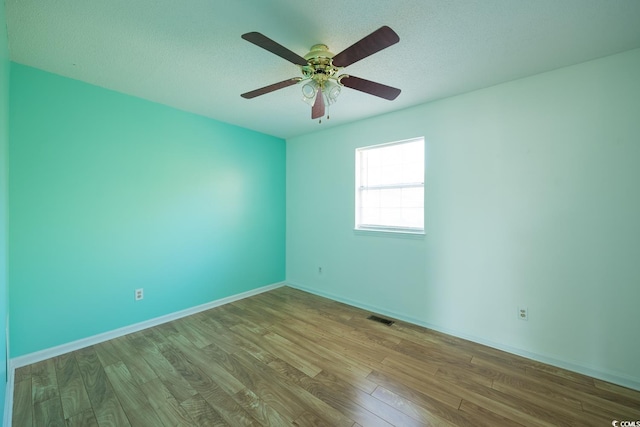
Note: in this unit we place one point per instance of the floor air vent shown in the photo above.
(381, 320)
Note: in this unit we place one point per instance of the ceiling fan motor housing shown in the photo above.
(320, 68)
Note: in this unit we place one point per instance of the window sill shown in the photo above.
(382, 232)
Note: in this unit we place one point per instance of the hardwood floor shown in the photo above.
(290, 358)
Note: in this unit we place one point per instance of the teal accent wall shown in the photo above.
(110, 193)
(4, 144)
(532, 199)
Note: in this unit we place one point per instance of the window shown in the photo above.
(390, 187)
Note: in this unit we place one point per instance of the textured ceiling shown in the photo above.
(189, 54)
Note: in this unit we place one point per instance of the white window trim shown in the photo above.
(389, 233)
(382, 229)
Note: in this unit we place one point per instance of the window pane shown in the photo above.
(370, 216)
(390, 217)
(412, 172)
(391, 198)
(412, 151)
(413, 197)
(370, 198)
(390, 155)
(389, 185)
(374, 176)
(391, 174)
(413, 217)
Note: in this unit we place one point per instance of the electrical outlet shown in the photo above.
(523, 313)
(139, 294)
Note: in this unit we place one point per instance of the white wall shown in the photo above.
(532, 198)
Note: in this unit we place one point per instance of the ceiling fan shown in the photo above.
(320, 69)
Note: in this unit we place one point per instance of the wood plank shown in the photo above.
(202, 413)
(485, 417)
(309, 419)
(233, 314)
(434, 339)
(72, 391)
(165, 404)
(610, 410)
(590, 399)
(538, 368)
(355, 403)
(71, 387)
(333, 407)
(22, 374)
(107, 353)
(410, 408)
(230, 343)
(519, 410)
(106, 407)
(617, 390)
(410, 366)
(44, 384)
(133, 401)
(195, 331)
(329, 362)
(219, 400)
(423, 400)
(526, 388)
(311, 332)
(177, 385)
(48, 413)
(22, 404)
(137, 366)
(276, 350)
(210, 360)
(435, 355)
(430, 388)
(268, 386)
(83, 419)
(461, 376)
(356, 351)
(259, 409)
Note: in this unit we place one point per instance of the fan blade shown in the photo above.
(380, 39)
(367, 86)
(271, 88)
(274, 47)
(318, 106)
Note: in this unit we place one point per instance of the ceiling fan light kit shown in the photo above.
(320, 69)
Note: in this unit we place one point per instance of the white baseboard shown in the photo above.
(48, 353)
(612, 377)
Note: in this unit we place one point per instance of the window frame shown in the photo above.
(379, 228)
